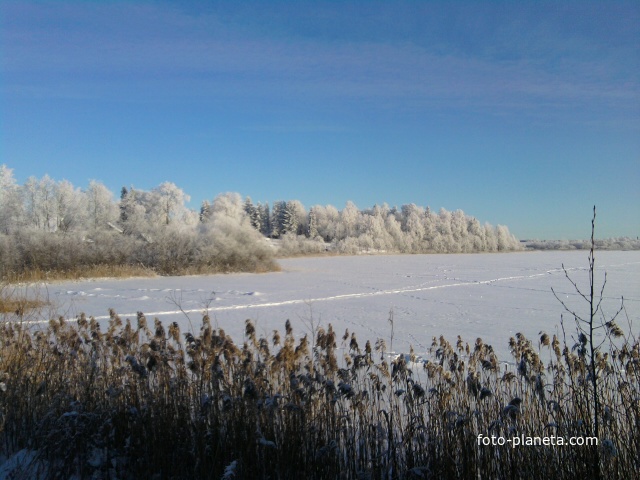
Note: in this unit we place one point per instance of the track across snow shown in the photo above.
(346, 296)
(492, 296)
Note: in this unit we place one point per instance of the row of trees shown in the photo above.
(51, 224)
(410, 229)
(50, 206)
(616, 243)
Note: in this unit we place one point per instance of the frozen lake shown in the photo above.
(492, 296)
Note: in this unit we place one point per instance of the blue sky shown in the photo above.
(519, 113)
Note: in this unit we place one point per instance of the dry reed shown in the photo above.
(140, 399)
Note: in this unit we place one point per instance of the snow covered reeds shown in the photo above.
(142, 398)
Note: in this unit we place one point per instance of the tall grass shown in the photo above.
(141, 399)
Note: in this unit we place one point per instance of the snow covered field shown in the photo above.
(492, 296)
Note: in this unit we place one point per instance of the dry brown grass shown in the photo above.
(128, 271)
(14, 301)
(19, 306)
(91, 271)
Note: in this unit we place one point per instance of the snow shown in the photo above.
(24, 464)
(492, 296)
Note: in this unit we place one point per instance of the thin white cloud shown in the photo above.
(126, 50)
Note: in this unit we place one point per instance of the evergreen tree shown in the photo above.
(130, 210)
(290, 219)
(205, 211)
(278, 219)
(313, 223)
(266, 220)
(123, 204)
(256, 217)
(249, 208)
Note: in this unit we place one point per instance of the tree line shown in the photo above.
(52, 225)
(409, 229)
(615, 243)
(48, 227)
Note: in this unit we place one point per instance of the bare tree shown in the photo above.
(587, 344)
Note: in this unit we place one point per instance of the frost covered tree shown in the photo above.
(169, 201)
(228, 204)
(459, 224)
(123, 204)
(100, 207)
(11, 205)
(394, 229)
(294, 218)
(160, 230)
(230, 242)
(374, 227)
(256, 218)
(290, 220)
(429, 221)
(162, 206)
(265, 215)
(133, 213)
(7, 181)
(39, 202)
(254, 213)
(327, 220)
(476, 233)
(249, 208)
(313, 223)
(445, 231)
(409, 229)
(505, 240)
(413, 227)
(349, 217)
(71, 213)
(278, 219)
(491, 243)
(205, 211)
